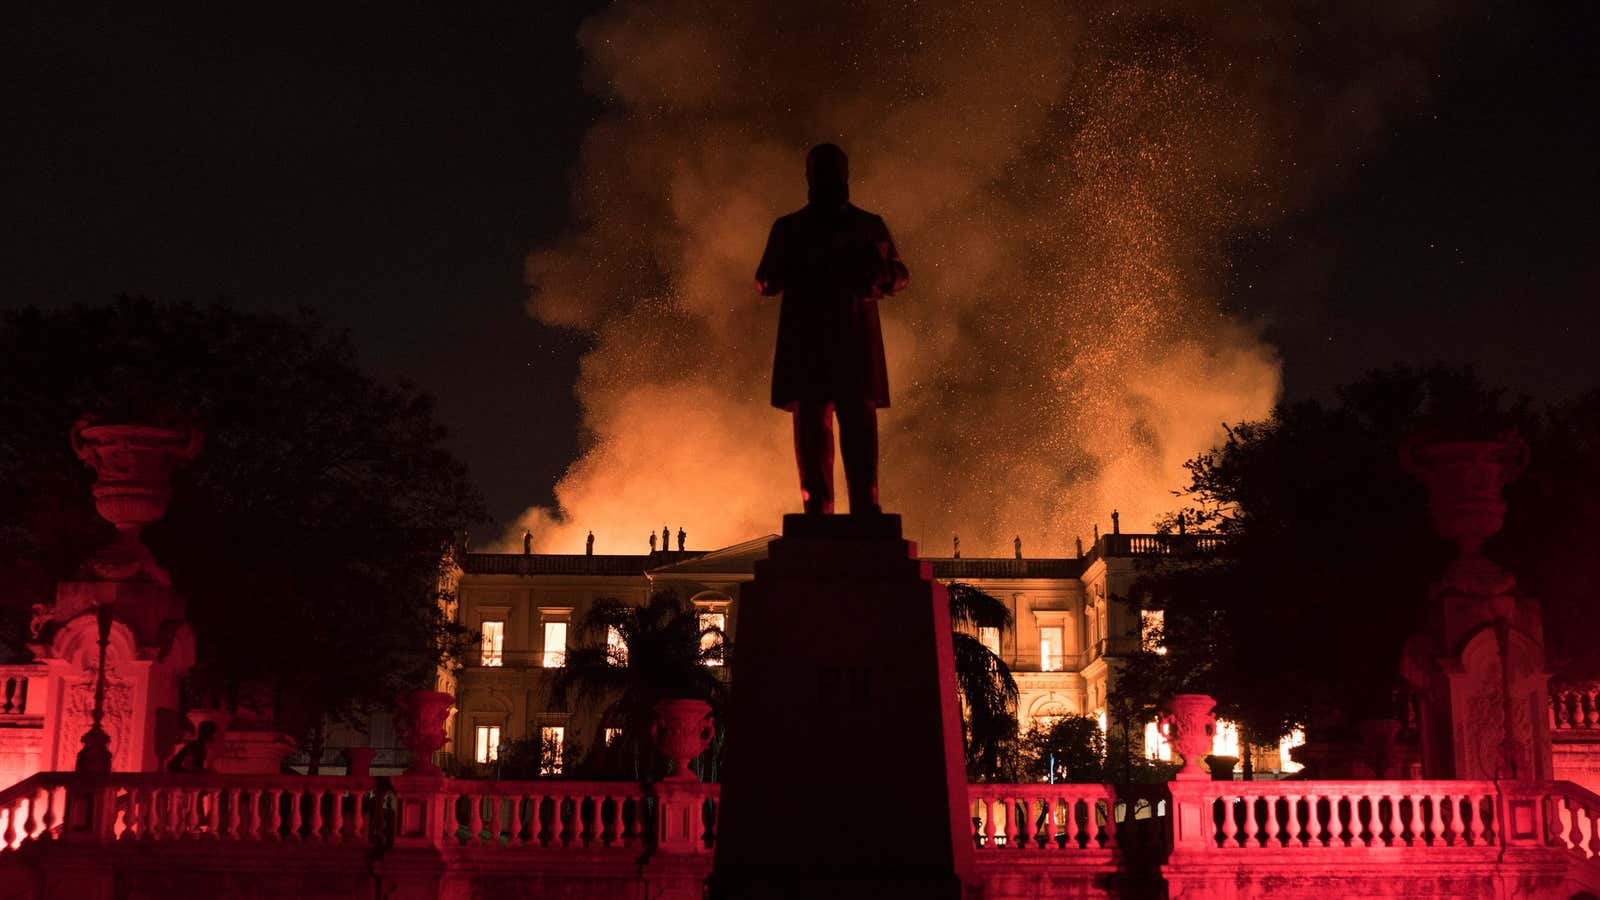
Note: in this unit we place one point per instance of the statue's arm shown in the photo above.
(769, 274)
(894, 275)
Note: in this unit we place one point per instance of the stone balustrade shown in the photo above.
(1574, 820)
(1064, 818)
(1575, 706)
(605, 839)
(545, 814)
(1335, 815)
(14, 690)
(147, 807)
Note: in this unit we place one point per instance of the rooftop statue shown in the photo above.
(832, 262)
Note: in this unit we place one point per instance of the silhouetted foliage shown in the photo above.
(1331, 551)
(1072, 748)
(988, 692)
(309, 536)
(665, 658)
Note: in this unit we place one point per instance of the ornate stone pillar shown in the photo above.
(149, 646)
(1478, 664)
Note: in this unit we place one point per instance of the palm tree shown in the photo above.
(661, 653)
(988, 692)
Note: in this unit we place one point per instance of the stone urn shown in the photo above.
(1464, 481)
(360, 761)
(1189, 724)
(420, 720)
(219, 719)
(133, 466)
(1378, 745)
(1222, 767)
(682, 731)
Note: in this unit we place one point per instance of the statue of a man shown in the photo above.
(683, 536)
(832, 262)
(588, 545)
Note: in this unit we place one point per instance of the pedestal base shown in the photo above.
(845, 775)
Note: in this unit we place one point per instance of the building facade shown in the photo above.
(1069, 628)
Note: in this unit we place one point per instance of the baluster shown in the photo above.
(274, 814)
(614, 833)
(1416, 836)
(464, 814)
(491, 822)
(1292, 823)
(142, 818)
(988, 823)
(358, 812)
(567, 812)
(1435, 822)
(589, 806)
(1047, 826)
(1229, 828)
(336, 815)
(1558, 709)
(176, 812)
(1014, 828)
(1467, 826)
(1111, 819)
(1371, 820)
(1395, 826)
(38, 809)
(1587, 702)
(230, 825)
(1069, 824)
(1251, 836)
(314, 826)
(257, 818)
(1313, 821)
(213, 813)
(1270, 837)
(1479, 821)
(296, 814)
(1335, 822)
(1592, 834)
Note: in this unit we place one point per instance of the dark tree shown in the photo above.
(664, 655)
(1331, 552)
(988, 692)
(309, 537)
(1070, 749)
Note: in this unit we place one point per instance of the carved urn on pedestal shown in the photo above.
(420, 720)
(133, 466)
(682, 731)
(1478, 664)
(1189, 724)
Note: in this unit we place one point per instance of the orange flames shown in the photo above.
(1061, 182)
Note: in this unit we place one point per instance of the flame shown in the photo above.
(1061, 180)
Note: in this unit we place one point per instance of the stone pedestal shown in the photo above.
(844, 773)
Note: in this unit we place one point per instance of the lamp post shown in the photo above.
(95, 757)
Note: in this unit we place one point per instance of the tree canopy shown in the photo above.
(1331, 551)
(308, 537)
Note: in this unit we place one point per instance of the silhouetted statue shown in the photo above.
(955, 540)
(652, 542)
(527, 543)
(1116, 522)
(588, 545)
(193, 756)
(1016, 544)
(1078, 539)
(831, 261)
(682, 537)
(666, 539)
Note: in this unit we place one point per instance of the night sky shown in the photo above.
(391, 166)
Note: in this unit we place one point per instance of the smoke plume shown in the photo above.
(1061, 179)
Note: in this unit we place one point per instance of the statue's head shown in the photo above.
(828, 173)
